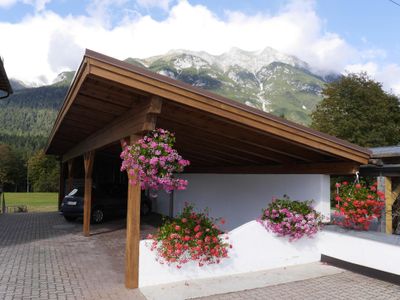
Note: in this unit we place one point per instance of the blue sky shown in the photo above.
(330, 35)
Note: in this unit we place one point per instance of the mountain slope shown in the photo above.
(27, 116)
(268, 80)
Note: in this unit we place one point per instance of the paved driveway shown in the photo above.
(44, 257)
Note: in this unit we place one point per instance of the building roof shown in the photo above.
(385, 152)
(211, 130)
(4, 82)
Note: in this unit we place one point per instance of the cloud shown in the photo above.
(163, 4)
(45, 43)
(39, 5)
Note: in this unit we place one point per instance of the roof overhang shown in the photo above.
(5, 86)
(110, 99)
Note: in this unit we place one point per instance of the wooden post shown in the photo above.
(388, 205)
(61, 187)
(70, 175)
(88, 161)
(132, 230)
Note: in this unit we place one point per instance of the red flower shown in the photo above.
(177, 227)
(222, 221)
(197, 228)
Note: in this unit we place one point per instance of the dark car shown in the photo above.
(107, 201)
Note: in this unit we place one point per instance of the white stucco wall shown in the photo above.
(239, 198)
(254, 249)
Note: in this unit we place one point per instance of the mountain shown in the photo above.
(268, 80)
(28, 115)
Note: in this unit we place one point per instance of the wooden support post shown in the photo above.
(61, 187)
(388, 205)
(385, 186)
(132, 230)
(88, 161)
(70, 175)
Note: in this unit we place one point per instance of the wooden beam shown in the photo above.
(61, 185)
(314, 168)
(132, 230)
(88, 160)
(272, 148)
(137, 120)
(389, 200)
(70, 175)
(226, 141)
(96, 104)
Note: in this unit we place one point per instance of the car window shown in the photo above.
(77, 192)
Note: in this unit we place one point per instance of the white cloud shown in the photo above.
(45, 44)
(164, 4)
(39, 5)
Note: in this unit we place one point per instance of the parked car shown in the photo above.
(107, 201)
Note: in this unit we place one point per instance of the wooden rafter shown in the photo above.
(138, 119)
(343, 168)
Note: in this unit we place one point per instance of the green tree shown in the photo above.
(43, 172)
(7, 165)
(357, 109)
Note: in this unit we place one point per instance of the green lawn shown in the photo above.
(34, 201)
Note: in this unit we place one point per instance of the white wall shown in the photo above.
(254, 249)
(239, 198)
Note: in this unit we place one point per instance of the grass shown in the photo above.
(35, 202)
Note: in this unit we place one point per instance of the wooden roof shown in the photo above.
(110, 99)
(5, 86)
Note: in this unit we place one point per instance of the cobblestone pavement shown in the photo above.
(345, 285)
(44, 257)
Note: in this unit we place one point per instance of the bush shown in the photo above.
(190, 237)
(295, 219)
(358, 204)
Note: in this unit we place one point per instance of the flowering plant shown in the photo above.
(190, 236)
(153, 160)
(295, 219)
(358, 204)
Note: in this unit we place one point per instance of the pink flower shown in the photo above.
(177, 227)
(184, 220)
(197, 228)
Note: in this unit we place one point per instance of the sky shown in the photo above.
(41, 38)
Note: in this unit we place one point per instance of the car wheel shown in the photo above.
(145, 208)
(69, 218)
(97, 216)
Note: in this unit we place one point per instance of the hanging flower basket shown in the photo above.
(152, 161)
(358, 204)
(294, 219)
(190, 236)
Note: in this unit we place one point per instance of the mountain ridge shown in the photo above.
(268, 80)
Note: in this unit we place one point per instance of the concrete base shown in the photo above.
(205, 287)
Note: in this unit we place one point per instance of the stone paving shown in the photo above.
(345, 285)
(44, 257)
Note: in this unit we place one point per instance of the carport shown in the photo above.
(110, 101)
